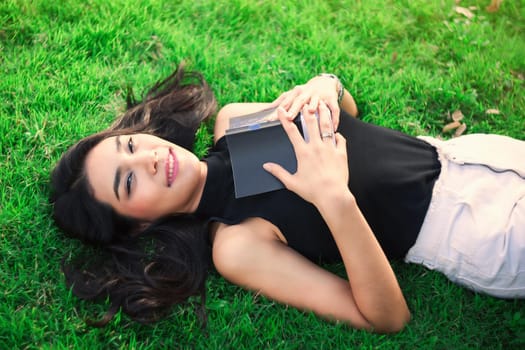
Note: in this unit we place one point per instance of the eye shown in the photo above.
(131, 146)
(129, 182)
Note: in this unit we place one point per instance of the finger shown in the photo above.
(280, 173)
(340, 142)
(278, 100)
(298, 104)
(290, 128)
(312, 124)
(314, 103)
(281, 113)
(326, 128)
(291, 96)
(335, 111)
(286, 102)
(341, 146)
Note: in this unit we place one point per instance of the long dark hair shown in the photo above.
(144, 269)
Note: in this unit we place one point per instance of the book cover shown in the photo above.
(253, 140)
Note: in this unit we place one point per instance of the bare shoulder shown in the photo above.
(234, 110)
(234, 243)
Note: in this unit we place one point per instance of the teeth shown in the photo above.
(170, 169)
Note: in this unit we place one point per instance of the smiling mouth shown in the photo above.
(172, 167)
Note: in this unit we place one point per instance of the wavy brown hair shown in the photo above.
(143, 268)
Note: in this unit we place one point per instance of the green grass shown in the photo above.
(65, 64)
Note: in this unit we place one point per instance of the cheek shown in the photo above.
(147, 204)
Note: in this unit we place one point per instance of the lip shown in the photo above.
(172, 167)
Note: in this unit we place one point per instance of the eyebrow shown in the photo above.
(116, 181)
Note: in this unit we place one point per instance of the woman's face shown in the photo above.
(144, 176)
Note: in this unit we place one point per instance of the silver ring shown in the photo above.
(326, 135)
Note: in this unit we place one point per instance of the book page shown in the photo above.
(252, 121)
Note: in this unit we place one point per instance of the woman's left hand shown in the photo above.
(322, 167)
(317, 89)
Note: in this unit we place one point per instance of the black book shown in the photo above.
(255, 139)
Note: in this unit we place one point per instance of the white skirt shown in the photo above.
(474, 230)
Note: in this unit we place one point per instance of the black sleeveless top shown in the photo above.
(391, 177)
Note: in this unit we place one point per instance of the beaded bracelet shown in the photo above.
(340, 88)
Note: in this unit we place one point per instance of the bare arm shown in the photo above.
(247, 256)
(348, 104)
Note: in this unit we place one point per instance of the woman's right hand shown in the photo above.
(322, 179)
(322, 167)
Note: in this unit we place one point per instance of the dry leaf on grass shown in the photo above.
(456, 125)
(492, 111)
(518, 75)
(494, 5)
(460, 130)
(464, 11)
(394, 56)
(451, 126)
(457, 116)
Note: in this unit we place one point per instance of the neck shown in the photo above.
(200, 187)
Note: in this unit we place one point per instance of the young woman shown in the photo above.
(158, 215)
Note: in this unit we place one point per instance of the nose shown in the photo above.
(148, 159)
